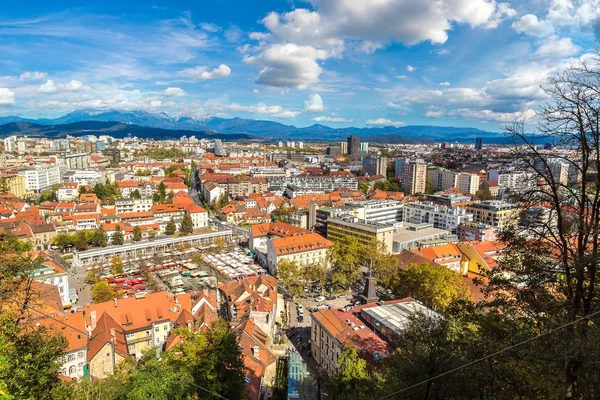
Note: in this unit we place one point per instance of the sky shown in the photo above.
(478, 63)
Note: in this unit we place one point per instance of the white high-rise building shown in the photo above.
(442, 217)
(41, 178)
(10, 144)
(467, 183)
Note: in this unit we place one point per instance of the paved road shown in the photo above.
(77, 282)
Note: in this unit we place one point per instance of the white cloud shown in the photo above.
(288, 65)
(333, 22)
(201, 73)
(443, 52)
(561, 15)
(314, 103)
(444, 83)
(383, 122)
(233, 34)
(410, 68)
(275, 111)
(333, 119)
(255, 91)
(435, 112)
(555, 46)
(74, 85)
(530, 25)
(174, 92)
(210, 27)
(7, 97)
(155, 103)
(401, 76)
(32, 76)
(489, 115)
(48, 87)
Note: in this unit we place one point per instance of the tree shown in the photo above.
(160, 196)
(436, 287)
(137, 234)
(80, 242)
(346, 257)
(136, 195)
(116, 265)
(100, 238)
(222, 201)
(552, 272)
(117, 237)
(383, 263)
(483, 194)
(102, 292)
(428, 186)
(212, 359)
(364, 187)
(63, 240)
(317, 273)
(187, 224)
(351, 382)
(289, 274)
(170, 228)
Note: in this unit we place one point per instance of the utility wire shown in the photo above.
(25, 306)
(491, 355)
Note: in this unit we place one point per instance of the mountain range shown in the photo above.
(228, 128)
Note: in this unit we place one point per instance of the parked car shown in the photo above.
(320, 299)
(323, 307)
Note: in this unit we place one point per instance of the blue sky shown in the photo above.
(336, 62)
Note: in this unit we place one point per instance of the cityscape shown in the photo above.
(160, 244)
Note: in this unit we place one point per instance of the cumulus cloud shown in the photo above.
(333, 119)
(314, 103)
(401, 76)
(7, 97)
(174, 92)
(288, 65)
(32, 76)
(383, 122)
(489, 115)
(50, 87)
(435, 112)
(410, 68)
(562, 14)
(201, 73)
(444, 83)
(555, 46)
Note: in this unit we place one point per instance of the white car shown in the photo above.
(320, 298)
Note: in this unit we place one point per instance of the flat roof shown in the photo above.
(407, 235)
(396, 316)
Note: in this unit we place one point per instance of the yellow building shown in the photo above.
(338, 228)
(495, 213)
(15, 184)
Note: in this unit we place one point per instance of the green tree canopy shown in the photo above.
(171, 227)
(117, 237)
(137, 234)
(187, 224)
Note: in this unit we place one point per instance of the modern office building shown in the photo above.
(478, 144)
(41, 178)
(339, 228)
(442, 217)
(495, 213)
(353, 146)
(375, 165)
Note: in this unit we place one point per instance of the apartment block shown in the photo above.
(339, 228)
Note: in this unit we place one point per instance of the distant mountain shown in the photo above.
(271, 130)
(115, 129)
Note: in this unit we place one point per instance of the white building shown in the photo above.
(84, 177)
(10, 144)
(53, 274)
(68, 191)
(41, 178)
(127, 205)
(307, 249)
(442, 217)
(74, 160)
(378, 211)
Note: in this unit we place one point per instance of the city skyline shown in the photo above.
(454, 63)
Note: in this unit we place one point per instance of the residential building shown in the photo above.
(375, 165)
(129, 205)
(74, 160)
(68, 191)
(344, 148)
(12, 182)
(442, 217)
(314, 184)
(72, 327)
(467, 183)
(339, 228)
(414, 177)
(441, 179)
(107, 346)
(495, 213)
(364, 147)
(476, 231)
(447, 255)
(449, 199)
(51, 273)
(490, 186)
(480, 256)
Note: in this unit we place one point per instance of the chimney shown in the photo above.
(112, 332)
(93, 319)
(255, 350)
(115, 300)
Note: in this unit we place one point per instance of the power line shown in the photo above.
(26, 306)
(491, 355)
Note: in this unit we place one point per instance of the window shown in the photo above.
(71, 357)
(156, 329)
(166, 328)
(80, 354)
(130, 336)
